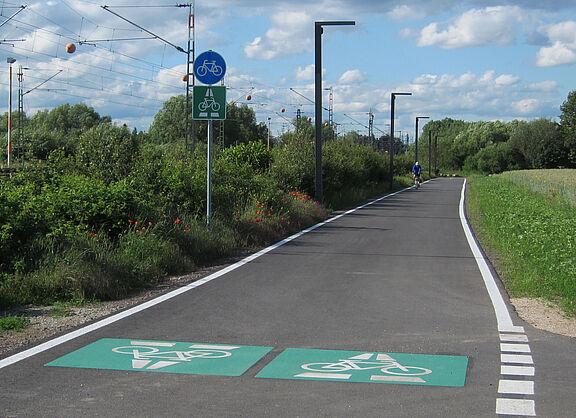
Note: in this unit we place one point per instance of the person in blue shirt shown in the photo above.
(416, 172)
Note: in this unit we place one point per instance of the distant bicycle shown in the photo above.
(417, 181)
(389, 367)
(209, 67)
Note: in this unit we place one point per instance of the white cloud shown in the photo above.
(506, 79)
(290, 34)
(405, 12)
(306, 73)
(562, 50)
(526, 106)
(352, 77)
(476, 27)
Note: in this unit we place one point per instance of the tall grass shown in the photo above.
(562, 181)
(530, 234)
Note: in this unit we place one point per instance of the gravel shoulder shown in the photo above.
(45, 325)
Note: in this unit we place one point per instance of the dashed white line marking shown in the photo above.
(521, 338)
(516, 359)
(515, 348)
(524, 407)
(517, 387)
(517, 370)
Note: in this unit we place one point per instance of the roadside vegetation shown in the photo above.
(526, 221)
(95, 211)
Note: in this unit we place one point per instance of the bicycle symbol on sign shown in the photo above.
(209, 67)
(383, 362)
(149, 354)
(209, 103)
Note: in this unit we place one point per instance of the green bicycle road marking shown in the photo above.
(369, 367)
(164, 357)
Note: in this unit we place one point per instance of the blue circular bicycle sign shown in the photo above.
(209, 67)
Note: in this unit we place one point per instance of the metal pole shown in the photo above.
(318, 108)
(319, 195)
(9, 145)
(429, 153)
(436, 154)
(416, 153)
(209, 175)
(391, 142)
(417, 119)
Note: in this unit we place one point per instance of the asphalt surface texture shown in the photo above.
(394, 278)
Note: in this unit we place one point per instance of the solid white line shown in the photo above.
(341, 376)
(138, 308)
(517, 387)
(515, 348)
(214, 347)
(502, 314)
(515, 407)
(408, 379)
(152, 343)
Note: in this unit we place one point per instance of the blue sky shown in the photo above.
(471, 59)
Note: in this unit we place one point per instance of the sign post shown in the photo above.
(209, 104)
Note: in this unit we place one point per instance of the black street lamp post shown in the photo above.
(417, 119)
(391, 144)
(319, 195)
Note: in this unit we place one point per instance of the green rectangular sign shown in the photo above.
(209, 103)
(368, 367)
(164, 356)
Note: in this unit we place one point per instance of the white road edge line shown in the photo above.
(505, 323)
(138, 308)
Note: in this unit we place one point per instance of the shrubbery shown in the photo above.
(114, 212)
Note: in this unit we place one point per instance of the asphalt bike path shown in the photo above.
(383, 312)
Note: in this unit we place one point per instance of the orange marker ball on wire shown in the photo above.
(70, 48)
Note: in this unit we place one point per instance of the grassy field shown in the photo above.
(527, 223)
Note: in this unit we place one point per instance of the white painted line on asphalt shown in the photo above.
(153, 302)
(408, 379)
(517, 387)
(517, 370)
(341, 376)
(152, 343)
(214, 347)
(515, 407)
(515, 348)
(505, 323)
(516, 359)
(521, 338)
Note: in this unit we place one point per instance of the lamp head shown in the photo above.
(10, 60)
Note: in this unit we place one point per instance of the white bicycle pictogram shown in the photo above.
(154, 353)
(209, 67)
(388, 366)
(209, 103)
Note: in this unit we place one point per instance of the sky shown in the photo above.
(474, 60)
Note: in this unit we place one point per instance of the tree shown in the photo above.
(169, 123)
(540, 143)
(107, 152)
(568, 125)
(60, 128)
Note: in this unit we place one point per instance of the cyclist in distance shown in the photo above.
(416, 172)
